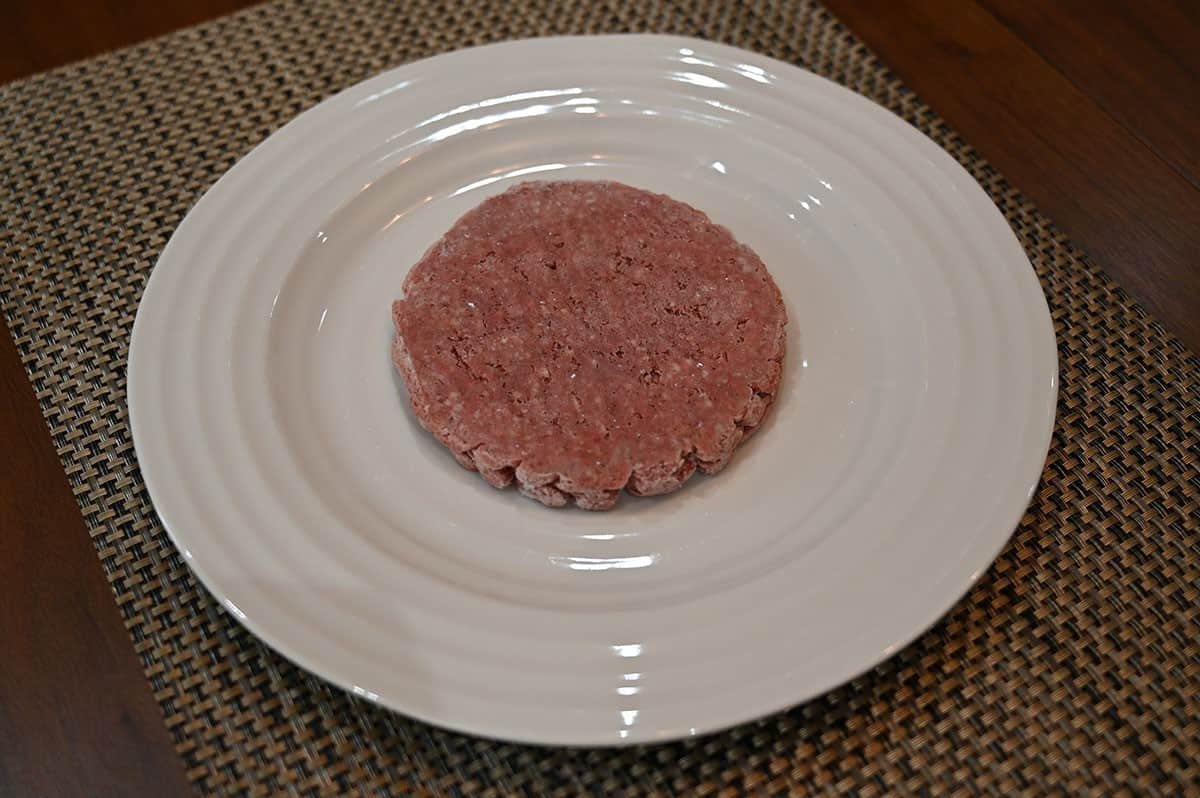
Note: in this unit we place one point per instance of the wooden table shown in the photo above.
(1090, 107)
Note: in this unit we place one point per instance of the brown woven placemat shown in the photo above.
(1075, 667)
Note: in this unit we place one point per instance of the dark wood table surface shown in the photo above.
(1091, 107)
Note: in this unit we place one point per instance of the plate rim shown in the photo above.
(135, 364)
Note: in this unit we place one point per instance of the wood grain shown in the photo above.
(41, 34)
(1134, 213)
(76, 714)
(1138, 62)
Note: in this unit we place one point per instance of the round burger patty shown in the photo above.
(582, 337)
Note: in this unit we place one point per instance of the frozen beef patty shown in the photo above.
(582, 337)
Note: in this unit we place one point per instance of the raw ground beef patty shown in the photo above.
(582, 337)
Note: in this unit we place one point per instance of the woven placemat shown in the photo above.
(1074, 667)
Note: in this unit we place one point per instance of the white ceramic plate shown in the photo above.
(908, 436)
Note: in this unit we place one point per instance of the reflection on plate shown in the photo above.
(908, 436)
